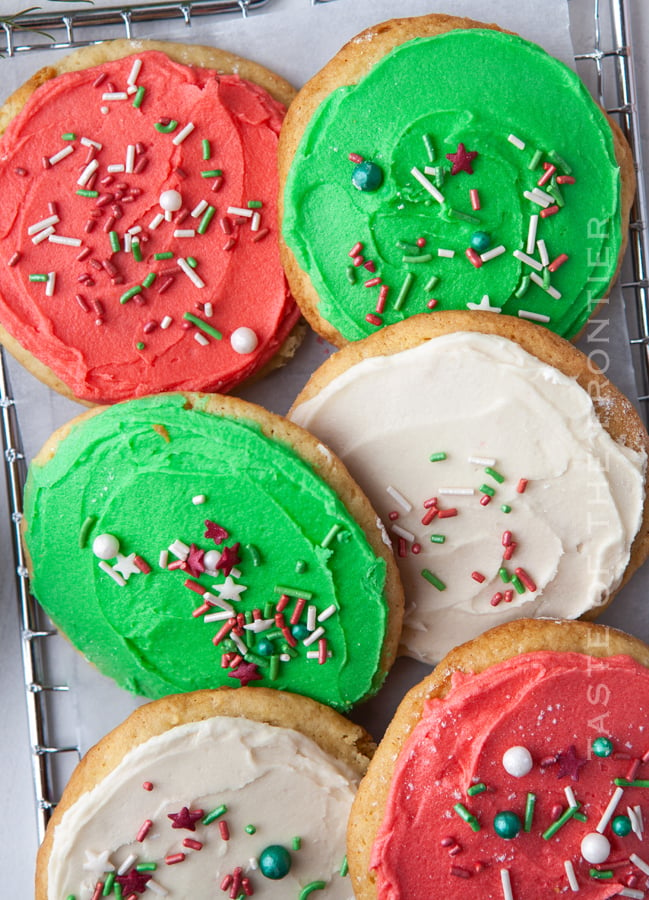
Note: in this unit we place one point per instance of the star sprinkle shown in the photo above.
(462, 160)
(229, 558)
(485, 305)
(97, 863)
(230, 590)
(215, 532)
(126, 566)
(186, 818)
(245, 672)
(133, 882)
(569, 763)
(194, 561)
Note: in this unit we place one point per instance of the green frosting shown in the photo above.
(477, 88)
(137, 471)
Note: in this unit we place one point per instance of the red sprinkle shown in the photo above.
(322, 651)
(431, 304)
(460, 872)
(475, 198)
(147, 785)
(509, 596)
(633, 770)
(549, 211)
(142, 564)
(558, 262)
(432, 501)
(358, 261)
(506, 538)
(430, 515)
(356, 249)
(565, 179)
(478, 576)
(403, 547)
(547, 176)
(202, 609)
(522, 484)
(474, 258)
(99, 887)
(144, 830)
(192, 844)
(529, 582)
(421, 242)
(174, 858)
(260, 235)
(509, 550)
(485, 501)
(194, 586)
(393, 515)
(496, 599)
(355, 158)
(416, 549)
(224, 631)
(372, 282)
(282, 603)
(373, 319)
(297, 612)
(224, 830)
(383, 295)
(447, 513)
(369, 265)
(14, 259)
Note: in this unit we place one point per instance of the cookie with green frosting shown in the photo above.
(436, 163)
(194, 541)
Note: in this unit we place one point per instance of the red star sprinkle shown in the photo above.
(462, 160)
(186, 818)
(133, 882)
(215, 532)
(194, 561)
(245, 672)
(229, 558)
(569, 763)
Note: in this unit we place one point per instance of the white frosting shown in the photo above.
(273, 778)
(483, 396)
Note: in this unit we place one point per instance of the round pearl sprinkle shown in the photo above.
(265, 647)
(275, 862)
(507, 825)
(480, 241)
(210, 559)
(517, 761)
(171, 201)
(105, 546)
(367, 176)
(299, 632)
(602, 746)
(595, 848)
(243, 340)
(621, 825)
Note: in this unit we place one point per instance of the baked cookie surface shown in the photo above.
(438, 163)
(188, 541)
(510, 474)
(139, 184)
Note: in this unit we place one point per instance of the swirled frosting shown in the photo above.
(270, 786)
(559, 741)
(138, 233)
(466, 170)
(503, 493)
(179, 549)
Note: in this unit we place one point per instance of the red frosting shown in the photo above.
(555, 705)
(104, 347)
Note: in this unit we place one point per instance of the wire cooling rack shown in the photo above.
(606, 65)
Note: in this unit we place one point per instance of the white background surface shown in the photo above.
(294, 39)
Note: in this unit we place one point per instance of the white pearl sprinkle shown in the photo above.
(595, 848)
(105, 546)
(243, 340)
(517, 761)
(171, 200)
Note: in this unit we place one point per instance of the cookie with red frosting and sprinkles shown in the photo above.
(214, 793)
(437, 163)
(197, 541)
(139, 246)
(518, 770)
(510, 473)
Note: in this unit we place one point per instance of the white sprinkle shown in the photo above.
(126, 865)
(507, 885)
(252, 864)
(572, 878)
(630, 892)
(640, 863)
(163, 559)
(570, 797)
(485, 304)
(517, 142)
(157, 888)
(199, 499)
(128, 241)
(256, 221)
(610, 809)
(130, 158)
(166, 322)
(61, 239)
(457, 491)
(636, 821)
(199, 208)
(482, 460)
(241, 646)
(200, 338)
(168, 215)
(88, 172)
(216, 601)
(115, 167)
(534, 317)
(184, 232)
(108, 569)
(543, 253)
(43, 235)
(313, 637)
(88, 143)
(399, 498)
(553, 292)
(135, 71)
(114, 95)
(208, 311)
(638, 811)
(183, 133)
(543, 195)
(239, 211)
(260, 625)
(531, 233)
(492, 254)
(179, 550)
(449, 254)
(190, 273)
(135, 229)
(310, 617)
(51, 283)
(315, 654)
(535, 199)
(66, 151)
(327, 613)
(103, 110)
(402, 532)
(44, 223)
(535, 264)
(131, 89)
(158, 219)
(428, 185)
(217, 617)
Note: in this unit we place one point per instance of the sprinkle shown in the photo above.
(518, 584)
(457, 491)
(44, 223)
(433, 579)
(528, 260)
(66, 151)
(66, 241)
(51, 282)
(43, 235)
(492, 254)
(560, 822)
(293, 592)
(437, 538)
(356, 249)
(535, 317)
(475, 198)
(437, 457)
(630, 892)
(108, 569)
(128, 295)
(193, 276)
(310, 888)
(496, 599)
(517, 142)
(506, 884)
(403, 291)
(474, 258)
(478, 788)
(525, 579)
(157, 220)
(478, 576)
(535, 198)
(399, 498)
(447, 513)
(640, 863)
(38, 276)
(625, 782)
(530, 803)
(184, 233)
(446, 253)
(487, 489)
(144, 830)
(467, 816)
(183, 133)
(553, 292)
(543, 253)
(610, 809)
(565, 179)
(404, 533)
(313, 637)
(428, 185)
(550, 211)
(558, 262)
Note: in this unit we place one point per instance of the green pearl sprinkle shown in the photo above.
(621, 825)
(274, 862)
(139, 96)
(433, 579)
(507, 825)
(140, 345)
(602, 746)
(250, 829)
(506, 508)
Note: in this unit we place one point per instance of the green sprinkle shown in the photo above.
(438, 538)
(216, 813)
(581, 817)
(559, 823)
(128, 295)
(333, 531)
(624, 782)
(601, 874)
(148, 281)
(428, 144)
(207, 148)
(344, 867)
(530, 803)
(203, 326)
(297, 842)
(250, 829)
(522, 289)
(506, 508)
(208, 215)
(274, 667)
(166, 129)
(301, 566)
(547, 275)
(486, 489)
(108, 884)
(421, 258)
(38, 276)
(166, 255)
(555, 191)
(117, 888)
(351, 274)
(114, 241)
(518, 584)
(536, 159)
(431, 283)
(466, 816)
(495, 475)
(69, 136)
(504, 574)
(211, 173)
(433, 579)
(146, 867)
(257, 659)
(403, 292)
(136, 250)
(139, 97)
(85, 530)
(293, 592)
(254, 552)
(82, 192)
(191, 261)
(310, 888)
(478, 788)
(406, 245)
(140, 345)
(437, 457)
(254, 204)
(70, 897)
(560, 162)
(463, 217)
(269, 612)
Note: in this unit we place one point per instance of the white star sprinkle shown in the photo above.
(485, 305)
(98, 863)
(229, 590)
(125, 565)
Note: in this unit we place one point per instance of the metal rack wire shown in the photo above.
(610, 57)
